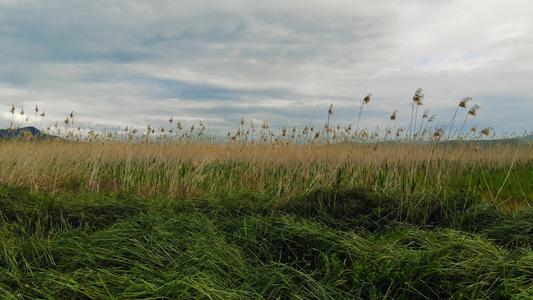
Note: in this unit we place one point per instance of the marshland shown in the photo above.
(415, 212)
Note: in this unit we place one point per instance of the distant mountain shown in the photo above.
(26, 133)
(487, 143)
(527, 138)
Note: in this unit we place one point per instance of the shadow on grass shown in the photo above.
(329, 244)
(47, 213)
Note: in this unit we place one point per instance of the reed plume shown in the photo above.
(417, 101)
(462, 104)
(330, 113)
(472, 111)
(392, 118)
(364, 101)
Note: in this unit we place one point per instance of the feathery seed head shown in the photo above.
(473, 110)
(487, 130)
(418, 96)
(464, 101)
(393, 116)
(367, 98)
(439, 132)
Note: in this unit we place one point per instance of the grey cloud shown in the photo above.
(123, 59)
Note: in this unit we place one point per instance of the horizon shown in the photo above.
(91, 135)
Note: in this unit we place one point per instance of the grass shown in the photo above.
(122, 246)
(171, 213)
(193, 170)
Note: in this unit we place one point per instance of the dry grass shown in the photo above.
(186, 161)
(314, 213)
(201, 169)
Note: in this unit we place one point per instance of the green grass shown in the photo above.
(333, 213)
(325, 244)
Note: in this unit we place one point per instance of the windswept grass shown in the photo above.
(94, 246)
(500, 174)
(173, 213)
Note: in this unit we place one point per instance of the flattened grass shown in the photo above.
(327, 244)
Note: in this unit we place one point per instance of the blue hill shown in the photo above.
(26, 133)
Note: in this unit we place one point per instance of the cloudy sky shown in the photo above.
(119, 63)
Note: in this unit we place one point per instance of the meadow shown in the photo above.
(330, 213)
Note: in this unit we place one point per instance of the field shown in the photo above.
(201, 220)
(172, 212)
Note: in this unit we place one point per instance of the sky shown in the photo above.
(138, 63)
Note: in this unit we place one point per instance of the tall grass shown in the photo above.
(174, 213)
(198, 169)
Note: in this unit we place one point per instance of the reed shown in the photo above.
(203, 169)
(170, 212)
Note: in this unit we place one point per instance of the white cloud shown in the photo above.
(132, 62)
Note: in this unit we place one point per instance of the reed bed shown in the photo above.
(188, 170)
(335, 213)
